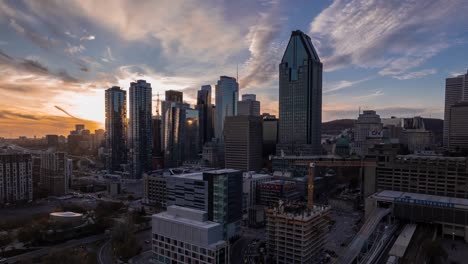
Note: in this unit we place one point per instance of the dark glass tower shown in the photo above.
(140, 131)
(300, 98)
(116, 128)
(205, 112)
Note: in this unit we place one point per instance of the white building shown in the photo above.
(184, 235)
(15, 177)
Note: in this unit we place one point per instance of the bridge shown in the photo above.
(358, 250)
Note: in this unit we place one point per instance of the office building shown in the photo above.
(300, 98)
(225, 200)
(249, 105)
(98, 139)
(227, 95)
(184, 235)
(158, 155)
(367, 126)
(116, 128)
(456, 90)
(187, 190)
(213, 155)
(174, 96)
(243, 142)
(249, 187)
(140, 128)
(296, 234)
(458, 127)
(154, 190)
(270, 135)
(56, 173)
(171, 97)
(269, 193)
(79, 141)
(205, 112)
(16, 183)
(192, 147)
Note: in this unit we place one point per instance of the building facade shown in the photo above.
(227, 95)
(243, 142)
(458, 127)
(116, 128)
(269, 193)
(16, 182)
(184, 235)
(300, 98)
(205, 112)
(56, 173)
(456, 90)
(368, 125)
(249, 105)
(270, 135)
(140, 128)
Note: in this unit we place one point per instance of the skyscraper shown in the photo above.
(116, 128)
(368, 123)
(140, 129)
(170, 98)
(174, 133)
(205, 112)
(456, 90)
(243, 142)
(227, 95)
(458, 127)
(300, 98)
(249, 105)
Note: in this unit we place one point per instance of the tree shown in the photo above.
(124, 241)
(69, 256)
(5, 240)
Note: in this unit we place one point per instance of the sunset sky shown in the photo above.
(392, 56)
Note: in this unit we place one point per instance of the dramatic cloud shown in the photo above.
(262, 66)
(41, 41)
(416, 74)
(393, 35)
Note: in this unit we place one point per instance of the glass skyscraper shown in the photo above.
(116, 128)
(140, 129)
(205, 111)
(300, 98)
(227, 95)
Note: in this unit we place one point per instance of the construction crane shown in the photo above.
(327, 163)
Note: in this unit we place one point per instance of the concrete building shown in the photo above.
(243, 142)
(56, 173)
(187, 190)
(140, 128)
(116, 128)
(296, 234)
(458, 127)
(184, 235)
(300, 98)
(227, 95)
(249, 187)
(154, 190)
(249, 105)
(367, 126)
(456, 90)
(16, 182)
(213, 155)
(269, 193)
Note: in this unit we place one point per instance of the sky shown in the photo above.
(58, 57)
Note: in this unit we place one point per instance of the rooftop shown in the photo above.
(388, 195)
(183, 215)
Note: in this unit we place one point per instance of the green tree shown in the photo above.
(5, 240)
(124, 241)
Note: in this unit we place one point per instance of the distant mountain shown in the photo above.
(335, 127)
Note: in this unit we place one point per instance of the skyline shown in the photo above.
(389, 57)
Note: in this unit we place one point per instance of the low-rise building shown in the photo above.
(270, 192)
(184, 235)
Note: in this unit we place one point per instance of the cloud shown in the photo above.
(262, 66)
(368, 96)
(108, 56)
(42, 41)
(72, 50)
(89, 37)
(5, 114)
(340, 85)
(416, 74)
(394, 36)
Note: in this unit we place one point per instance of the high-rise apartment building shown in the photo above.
(300, 98)
(140, 128)
(56, 173)
(227, 95)
(456, 90)
(205, 112)
(116, 128)
(243, 142)
(185, 235)
(249, 105)
(16, 182)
